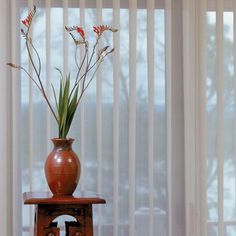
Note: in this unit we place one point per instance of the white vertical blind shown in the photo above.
(234, 51)
(16, 166)
(215, 109)
(124, 126)
(132, 112)
(220, 112)
(150, 76)
(65, 37)
(190, 75)
(137, 94)
(186, 34)
(48, 67)
(99, 107)
(168, 19)
(202, 119)
(82, 119)
(30, 128)
(6, 202)
(99, 119)
(116, 120)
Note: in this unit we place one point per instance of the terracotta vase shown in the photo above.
(62, 168)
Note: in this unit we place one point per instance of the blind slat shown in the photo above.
(132, 111)
(16, 99)
(30, 125)
(150, 77)
(169, 115)
(82, 111)
(234, 37)
(31, 164)
(116, 76)
(48, 68)
(65, 37)
(203, 115)
(220, 111)
(99, 119)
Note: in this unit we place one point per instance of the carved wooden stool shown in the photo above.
(49, 207)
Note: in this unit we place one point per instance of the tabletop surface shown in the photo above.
(47, 198)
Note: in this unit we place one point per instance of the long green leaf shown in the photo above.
(65, 103)
(72, 105)
(71, 110)
(60, 99)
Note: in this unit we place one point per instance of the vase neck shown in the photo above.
(61, 143)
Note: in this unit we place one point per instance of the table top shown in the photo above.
(47, 198)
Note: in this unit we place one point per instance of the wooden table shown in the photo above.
(49, 207)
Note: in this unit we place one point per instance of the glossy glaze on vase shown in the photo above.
(62, 168)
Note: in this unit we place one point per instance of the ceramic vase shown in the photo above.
(62, 168)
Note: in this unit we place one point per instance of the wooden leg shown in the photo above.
(89, 220)
(42, 221)
(35, 224)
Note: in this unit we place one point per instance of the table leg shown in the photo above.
(89, 220)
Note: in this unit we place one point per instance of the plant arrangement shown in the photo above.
(71, 90)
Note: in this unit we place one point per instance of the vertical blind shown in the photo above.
(129, 128)
(148, 157)
(212, 64)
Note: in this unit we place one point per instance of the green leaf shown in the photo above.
(65, 104)
(73, 103)
(60, 98)
(71, 110)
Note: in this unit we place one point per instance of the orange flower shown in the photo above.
(80, 31)
(24, 22)
(99, 29)
(27, 21)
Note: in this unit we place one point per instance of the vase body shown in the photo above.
(62, 168)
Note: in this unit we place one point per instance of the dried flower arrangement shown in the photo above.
(70, 91)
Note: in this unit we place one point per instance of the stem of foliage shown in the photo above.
(39, 79)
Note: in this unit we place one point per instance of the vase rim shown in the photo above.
(68, 139)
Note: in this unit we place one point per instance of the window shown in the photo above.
(215, 116)
(121, 126)
(220, 120)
